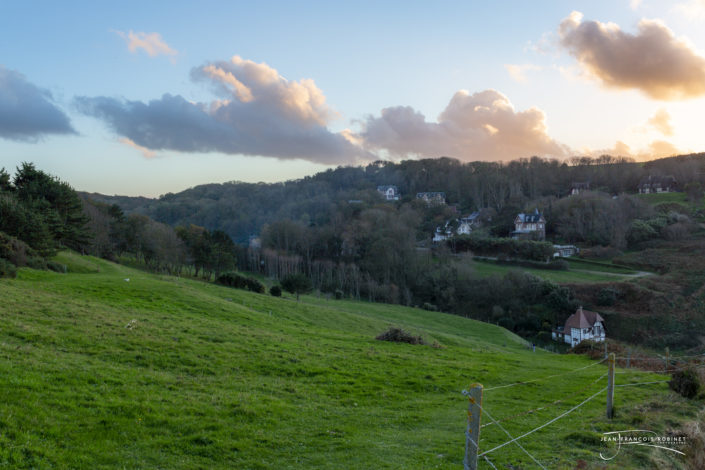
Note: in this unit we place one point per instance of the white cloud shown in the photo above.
(151, 43)
(518, 72)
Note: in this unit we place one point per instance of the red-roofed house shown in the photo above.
(581, 325)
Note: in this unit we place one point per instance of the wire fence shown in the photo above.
(497, 422)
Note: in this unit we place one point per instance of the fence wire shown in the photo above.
(547, 377)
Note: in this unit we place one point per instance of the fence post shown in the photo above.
(629, 356)
(472, 434)
(667, 354)
(610, 386)
(605, 349)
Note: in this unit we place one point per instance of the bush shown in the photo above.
(253, 285)
(36, 263)
(430, 307)
(237, 281)
(275, 291)
(607, 296)
(338, 294)
(14, 250)
(296, 284)
(685, 382)
(398, 335)
(57, 267)
(7, 269)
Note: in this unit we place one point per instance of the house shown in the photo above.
(580, 326)
(563, 251)
(531, 225)
(468, 223)
(461, 226)
(433, 197)
(578, 187)
(658, 184)
(389, 192)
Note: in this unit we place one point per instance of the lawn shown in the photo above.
(111, 367)
(581, 274)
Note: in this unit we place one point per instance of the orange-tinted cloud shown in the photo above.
(661, 121)
(481, 126)
(146, 153)
(653, 61)
(151, 43)
(518, 72)
(258, 112)
(655, 149)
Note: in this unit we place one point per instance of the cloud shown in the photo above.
(693, 10)
(481, 126)
(27, 112)
(653, 150)
(518, 72)
(151, 43)
(661, 121)
(257, 112)
(144, 151)
(634, 4)
(653, 61)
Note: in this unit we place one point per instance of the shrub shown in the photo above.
(430, 307)
(37, 263)
(231, 279)
(253, 285)
(398, 335)
(7, 269)
(275, 291)
(607, 296)
(14, 250)
(685, 382)
(338, 294)
(57, 267)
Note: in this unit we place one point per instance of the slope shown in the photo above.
(111, 367)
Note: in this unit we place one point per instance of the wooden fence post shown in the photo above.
(472, 434)
(629, 356)
(610, 386)
(667, 354)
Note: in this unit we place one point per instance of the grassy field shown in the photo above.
(159, 372)
(578, 273)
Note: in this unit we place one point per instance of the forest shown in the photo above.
(335, 229)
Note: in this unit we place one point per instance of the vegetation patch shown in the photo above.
(398, 335)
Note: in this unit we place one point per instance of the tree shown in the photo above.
(296, 284)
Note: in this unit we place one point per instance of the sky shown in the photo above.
(146, 98)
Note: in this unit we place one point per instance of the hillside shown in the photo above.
(107, 366)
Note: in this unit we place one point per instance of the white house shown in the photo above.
(461, 226)
(564, 251)
(530, 225)
(389, 192)
(580, 326)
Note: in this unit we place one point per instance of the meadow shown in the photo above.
(111, 367)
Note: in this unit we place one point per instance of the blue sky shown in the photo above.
(472, 80)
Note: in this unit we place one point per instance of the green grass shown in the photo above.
(658, 198)
(600, 266)
(583, 274)
(160, 372)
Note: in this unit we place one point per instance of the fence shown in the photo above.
(476, 412)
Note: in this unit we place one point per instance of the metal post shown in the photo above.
(472, 434)
(629, 356)
(605, 349)
(667, 354)
(610, 386)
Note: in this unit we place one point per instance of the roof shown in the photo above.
(582, 319)
(386, 187)
(431, 194)
(652, 180)
(472, 217)
(581, 185)
(528, 218)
